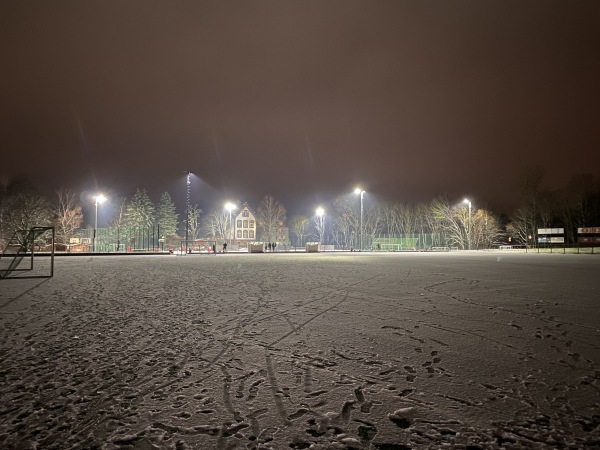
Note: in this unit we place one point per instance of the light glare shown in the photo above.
(100, 198)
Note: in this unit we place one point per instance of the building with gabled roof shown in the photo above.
(245, 225)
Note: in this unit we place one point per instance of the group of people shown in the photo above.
(270, 246)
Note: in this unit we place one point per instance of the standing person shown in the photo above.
(269, 246)
(274, 245)
(224, 247)
(214, 249)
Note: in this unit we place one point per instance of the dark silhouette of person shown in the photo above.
(274, 245)
(214, 249)
(224, 247)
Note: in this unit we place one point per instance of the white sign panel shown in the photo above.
(557, 240)
(588, 230)
(551, 231)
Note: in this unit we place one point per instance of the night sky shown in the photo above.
(302, 100)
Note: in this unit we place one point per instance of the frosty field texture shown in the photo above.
(386, 351)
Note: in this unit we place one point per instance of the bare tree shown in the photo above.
(217, 224)
(68, 215)
(390, 217)
(119, 222)
(519, 226)
(406, 219)
(373, 222)
(320, 226)
(347, 221)
(535, 202)
(575, 203)
(452, 222)
(25, 206)
(194, 214)
(457, 227)
(299, 227)
(344, 231)
(271, 214)
(398, 218)
(485, 229)
(426, 225)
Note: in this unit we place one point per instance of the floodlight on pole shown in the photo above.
(320, 212)
(470, 225)
(360, 192)
(230, 207)
(98, 199)
(187, 210)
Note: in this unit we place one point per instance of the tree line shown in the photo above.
(439, 222)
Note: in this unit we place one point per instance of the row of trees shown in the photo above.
(438, 223)
(435, 223)
(573, 206)
(23, 206)
(444, 223)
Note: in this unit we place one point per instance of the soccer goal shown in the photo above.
(29, 254)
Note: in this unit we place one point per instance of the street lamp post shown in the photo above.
(98, 199)
(320, 214)
(230, 207)
(470, 226)
(360, 192)
(187, 210)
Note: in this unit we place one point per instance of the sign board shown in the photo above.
(588, 230)
(551, 231)
(312, 247)
(588, 240)
(256, 247)
(74, 240)
(551, 239)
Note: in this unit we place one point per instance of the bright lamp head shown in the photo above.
(100, 198)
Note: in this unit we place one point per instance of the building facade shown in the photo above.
(245, 225)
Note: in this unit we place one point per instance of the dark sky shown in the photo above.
(300, 99)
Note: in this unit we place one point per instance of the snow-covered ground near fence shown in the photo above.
(472, 350)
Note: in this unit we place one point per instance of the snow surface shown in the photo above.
(471, 350)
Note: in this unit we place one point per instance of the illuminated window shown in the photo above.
(251, 223)
(251, 234)
(245, 224)
(245, 213)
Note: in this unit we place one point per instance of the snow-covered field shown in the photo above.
(363, 351)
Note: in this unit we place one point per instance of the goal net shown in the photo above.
(29, 254)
